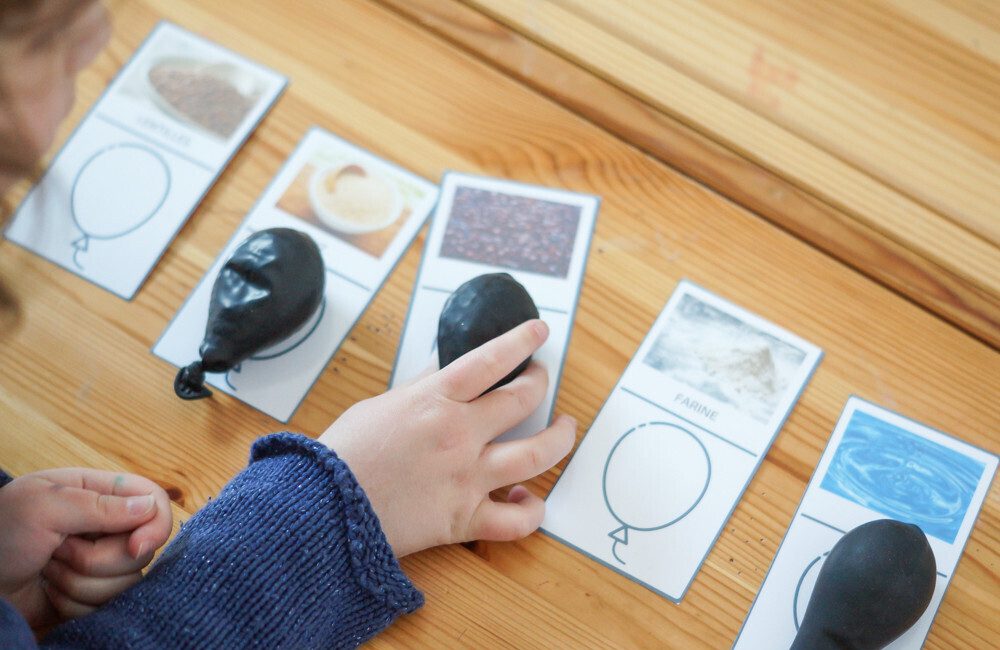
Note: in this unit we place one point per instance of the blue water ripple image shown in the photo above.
(897, 473)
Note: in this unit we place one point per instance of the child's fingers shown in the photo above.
(509, 462)
(505, 407)
(104, 557)
(72, 511)
(66, 607)
(150, 533)
(101, 481)
(475, 372)
(86, 590)
(505, 522)
(154, 533)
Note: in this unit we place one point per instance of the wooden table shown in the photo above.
(842, 182)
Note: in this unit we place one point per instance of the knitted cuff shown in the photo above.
(14, 631)
(373, 563)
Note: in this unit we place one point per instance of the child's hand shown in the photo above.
(425, 456)
(72, 539)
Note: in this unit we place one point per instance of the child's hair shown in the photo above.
(32, 24)
(46, 18)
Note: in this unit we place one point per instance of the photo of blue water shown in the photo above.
(897, 473)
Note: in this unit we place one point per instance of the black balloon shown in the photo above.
(268, 289)
(479, 311)
(875, 584)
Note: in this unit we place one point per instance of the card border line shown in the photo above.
(760, 459)
(674, 600)
(197, 204)
(315, 128)
(427, 287)
(150, 141)
(643, 398)
(798, 508)
(579, 289)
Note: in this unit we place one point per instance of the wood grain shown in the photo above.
(79, 385)
(936, 287)
(895, 131)
(973, 24)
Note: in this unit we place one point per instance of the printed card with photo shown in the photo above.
(675, 445)
(877, 465)
(143, 157)
(538, 235)
(363, 212)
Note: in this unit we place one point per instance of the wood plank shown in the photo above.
(973, 25)
(929, 134)
(77, 360)
(879, 89)
(477, 606)
(666, 69)
(934, 286)
(26, 430)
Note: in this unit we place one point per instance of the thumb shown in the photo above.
(74, 511)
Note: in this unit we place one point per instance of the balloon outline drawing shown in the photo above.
(267, 357)
(81, 244)
(620, 534)
(796, 618)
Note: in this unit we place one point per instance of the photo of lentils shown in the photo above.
(510, 231)
(206, 99)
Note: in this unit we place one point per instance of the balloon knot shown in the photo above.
(190, 382)
(620, 534)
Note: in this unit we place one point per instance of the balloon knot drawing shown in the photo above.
(655, 475)
(620, 535)
(282, 348)
(80, 245)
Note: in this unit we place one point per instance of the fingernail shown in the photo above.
(571, 437)
(517, 494)
(143, 547)
(541, 329)
(139, 505)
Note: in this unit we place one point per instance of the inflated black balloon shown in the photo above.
(875, 584)
(479, 311)
(269, 288)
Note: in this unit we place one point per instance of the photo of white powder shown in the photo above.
(361, 198)
(724, 358)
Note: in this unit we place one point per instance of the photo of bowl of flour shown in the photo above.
(354, 200)
(215, 97)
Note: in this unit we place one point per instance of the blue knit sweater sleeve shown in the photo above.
(290, 555)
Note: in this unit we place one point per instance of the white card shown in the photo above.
(675, 445)
(362, 231)
(143, 157)
(877, 465)
(540, 236)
